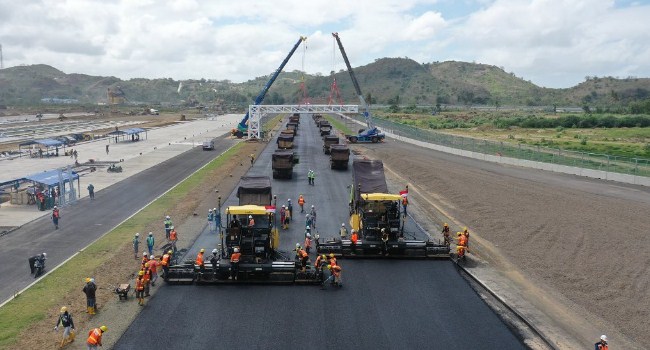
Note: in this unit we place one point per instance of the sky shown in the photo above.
(552, 43)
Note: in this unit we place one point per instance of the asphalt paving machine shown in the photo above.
(377, 216)
(251, 229)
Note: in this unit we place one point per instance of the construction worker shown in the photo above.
(289, 208)
(147, 280)
(95, 337)
(136, 244)
(173, 237)
(165, 262)
(301, 203)
(461, 246)
(602, 344)
(313, 216)
(405, 203)
(287, 218)
(139, 288)
(311, 176)
(251, 221)
(319, 265)
(353, 241)
(210, 220)
(343, 231)
(283, 215)
(307, 242)
(65, 320)
(234, 264)
(150, 242)
(466, 234)
(168, 224)
(153, 268)
(89, 289)
(214, 259)
(304, 257)
(308, 220)
(217, 219)
(252, 158)
(56, 215)
(335, 275)
(199, 260)
(384, 241)
(332, 260)
(145, 259)
(445, 234)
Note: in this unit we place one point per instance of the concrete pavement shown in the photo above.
(161, 144)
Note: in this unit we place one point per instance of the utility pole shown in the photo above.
(2, 62)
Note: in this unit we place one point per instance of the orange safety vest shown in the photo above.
(336, 270)
(172, 235)
(318, 261)
(301, 200)
(139, 284)
(95, 336)
(405, 201)
(165, 260)
(251, 222)
(332, 261)
(302, 253)
(199, 259)
(462, 240)
(307, 242)
(147, 275)
(354, 238)
(234, 258)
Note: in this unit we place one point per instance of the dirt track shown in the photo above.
(583, 238)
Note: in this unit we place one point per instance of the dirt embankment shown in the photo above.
(589, 247)
(117, 315)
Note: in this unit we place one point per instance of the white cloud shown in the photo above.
(551, 42)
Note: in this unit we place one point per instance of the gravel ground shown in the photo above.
(118, 315)
(581, 238)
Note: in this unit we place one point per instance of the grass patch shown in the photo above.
(32, 305)
(337, 124)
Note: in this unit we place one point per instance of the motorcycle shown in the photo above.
(39, 266)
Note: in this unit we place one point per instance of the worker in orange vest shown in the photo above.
(145, 259)
(234, 263)
(304, 257)
(466, 233)
(353, 241)
(301, 203)
(147, 280)
(307, 242)
(251, 221)
(165, 262)
(139, 287)
(461, 246)
(95, 337)
(153, 269)
(602, 344)
(332, 259)
(173, 238)
(405, 203)
(335, 275)
(199, 260)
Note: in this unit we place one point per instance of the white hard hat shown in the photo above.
(297, 245)
(282, 205)
(151, 256)
(214, 251)
(44, 255)
(307, 215)
(137, 234)
(92, 280)
(210, 210)
(343, 224)
(289, 200)
(250, 216)
(312, 205)
(167, 217)
(144, 253)
(603, 337)
(214, 209)
(171, 227)
(308, 234)
(150, 233)
(307, 228)
(236, 250)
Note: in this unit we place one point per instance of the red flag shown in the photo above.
(404, 193)
(270, 208)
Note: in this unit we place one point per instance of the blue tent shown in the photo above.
(124, 134)
(51, 177)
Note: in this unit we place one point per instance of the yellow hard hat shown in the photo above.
(64, 309)
(331, 255)
(87, 279)
(170, 252)
(323, 256)
(202, 250)
(141, 273)
(459, 233)
(103, 328)
(465, 229)
(329, 266)
(446, 224)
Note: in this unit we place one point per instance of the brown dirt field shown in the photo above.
(123, 267)
(589, 247)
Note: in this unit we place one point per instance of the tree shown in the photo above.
(586, 109)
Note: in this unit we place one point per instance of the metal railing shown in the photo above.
(595, 161)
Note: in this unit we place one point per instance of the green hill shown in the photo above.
(387, 80)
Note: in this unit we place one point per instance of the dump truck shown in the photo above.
(324, 127)
(250, 229)
(293, 127)
(282, 164)
(328, 141)
(295, 118)
(373, 211)
(285, 140)
(254, 190)
(339, 156)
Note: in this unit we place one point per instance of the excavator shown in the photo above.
(371, 133)
(242, 127)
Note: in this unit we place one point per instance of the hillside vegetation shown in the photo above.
(399, 81)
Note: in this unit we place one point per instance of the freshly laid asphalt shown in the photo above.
(384, 304)
(86, 220)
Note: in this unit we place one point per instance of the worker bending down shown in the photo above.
(461, 247)
(335, 275)
(234, 264)
(95, 337)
